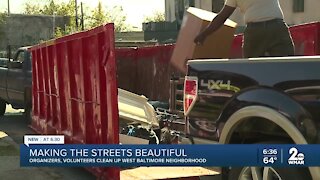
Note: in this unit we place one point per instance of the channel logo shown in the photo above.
(296, 157)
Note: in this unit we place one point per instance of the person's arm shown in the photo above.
(215, 24)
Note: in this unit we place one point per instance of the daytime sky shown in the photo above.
(135, 10)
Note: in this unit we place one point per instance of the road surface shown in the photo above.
(14, 125)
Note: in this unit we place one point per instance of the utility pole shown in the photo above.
(8, 7)
(76, 8)
(7, 34)
(82, 20)
(53, 24)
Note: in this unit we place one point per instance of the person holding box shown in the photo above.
(266, 33)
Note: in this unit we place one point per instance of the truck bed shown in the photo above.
(267, 71)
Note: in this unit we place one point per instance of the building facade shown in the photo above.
(24, 30)
(300, 11)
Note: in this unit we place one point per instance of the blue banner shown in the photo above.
(169, 155)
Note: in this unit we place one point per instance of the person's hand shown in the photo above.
(201, 37)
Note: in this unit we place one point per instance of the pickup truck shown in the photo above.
(270, 100)
(15, 81)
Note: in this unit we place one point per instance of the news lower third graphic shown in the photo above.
(39, 150)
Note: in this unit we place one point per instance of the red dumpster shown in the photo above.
(306, 38)
(75, 90)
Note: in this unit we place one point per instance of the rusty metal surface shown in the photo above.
(146, 70)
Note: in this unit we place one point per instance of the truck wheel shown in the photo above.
(3, 106)
(270, 173)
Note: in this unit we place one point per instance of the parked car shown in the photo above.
(15, 81)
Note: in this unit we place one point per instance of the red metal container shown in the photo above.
(306, 39)
(75, 90)
(136, 66)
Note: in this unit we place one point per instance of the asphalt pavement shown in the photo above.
(13, 127)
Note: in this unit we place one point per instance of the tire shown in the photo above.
(3, 106)
(246, 173)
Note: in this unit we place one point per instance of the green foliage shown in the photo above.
(2, 18)
(31, 9)
(118, 17)
(59, 32)
(52, 8)
(98, 16)
(56, 9)
(111, 15)
(156, 17)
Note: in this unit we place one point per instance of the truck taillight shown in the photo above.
(190, 93)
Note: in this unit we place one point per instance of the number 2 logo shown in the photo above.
(295, 155)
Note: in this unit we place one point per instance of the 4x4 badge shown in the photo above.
(219, 85)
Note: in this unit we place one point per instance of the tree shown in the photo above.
(59, 9)
(118, 17)
(112, 15)
(98, 16)
(155, 17)
(2, 18)
(31, 9)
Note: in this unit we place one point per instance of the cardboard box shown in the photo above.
(216, 45)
